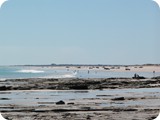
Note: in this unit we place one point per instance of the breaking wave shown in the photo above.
(30, 71)
(67, 75)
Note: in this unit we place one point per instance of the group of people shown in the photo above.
(136, 76)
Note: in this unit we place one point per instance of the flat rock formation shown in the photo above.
(77, 84)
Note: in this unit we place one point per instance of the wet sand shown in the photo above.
(82, 99)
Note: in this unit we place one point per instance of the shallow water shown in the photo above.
(32, 98)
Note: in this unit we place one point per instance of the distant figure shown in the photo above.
(136, 76)
(154, 73)
(88, 71)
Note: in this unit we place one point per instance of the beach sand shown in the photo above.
(116, 68)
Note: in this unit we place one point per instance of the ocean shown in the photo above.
(19, 72)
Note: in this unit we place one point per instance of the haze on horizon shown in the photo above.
(79, 32)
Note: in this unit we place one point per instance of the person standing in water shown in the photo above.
(154, 73)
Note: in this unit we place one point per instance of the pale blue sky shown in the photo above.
(79, 32)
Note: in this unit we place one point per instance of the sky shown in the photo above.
(79, 32)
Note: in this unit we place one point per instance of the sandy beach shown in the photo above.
(81, 99)
(122, 68)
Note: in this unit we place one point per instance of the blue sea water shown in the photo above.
(16, 72)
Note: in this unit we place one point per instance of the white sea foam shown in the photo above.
(71, 75)
(66, 75)
(30, 71)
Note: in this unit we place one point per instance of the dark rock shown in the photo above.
(4, 99)
(130, 110)
(119, 98)
(79, 87)
(158, 77)
(88, 117)
(60, 102)
(71, 103)
(152, 118)
(4, 88)
(132, 98)
(103, 95)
